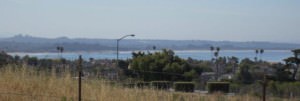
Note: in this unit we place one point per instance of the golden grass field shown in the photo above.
(25, 84)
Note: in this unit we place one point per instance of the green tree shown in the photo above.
(244, 75)
(5, 58)
(293, 62)
(282, 72)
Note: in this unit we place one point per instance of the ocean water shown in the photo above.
(268, 55)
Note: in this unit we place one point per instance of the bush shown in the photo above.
(5, 58)
(235, 87)
(184, 86)
(111, 83)
(161, 84)
(284, 89)
(129, 85)
(143, 84)
(218, 87)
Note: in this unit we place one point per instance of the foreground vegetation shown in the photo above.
(30, 78)
(21, 83)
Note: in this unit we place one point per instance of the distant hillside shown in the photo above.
(22, 43)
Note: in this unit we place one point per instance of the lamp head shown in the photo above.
(132, 35)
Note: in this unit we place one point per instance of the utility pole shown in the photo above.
(264, 88)
(79, 77)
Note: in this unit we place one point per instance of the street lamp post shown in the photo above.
(118, 40)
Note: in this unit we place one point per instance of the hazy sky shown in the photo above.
(235, 20)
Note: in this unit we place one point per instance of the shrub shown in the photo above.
(143, 84)
(129, 85)
(235, 87)
(161, 84)
(184, 86)
(284, 89)
(111, 83)
(218, 87)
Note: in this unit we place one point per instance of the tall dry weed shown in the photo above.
(23, 83)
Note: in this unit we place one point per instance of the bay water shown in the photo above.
(268, 55)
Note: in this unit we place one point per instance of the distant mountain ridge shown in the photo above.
(25, 43)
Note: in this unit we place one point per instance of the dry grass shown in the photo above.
(25, 84)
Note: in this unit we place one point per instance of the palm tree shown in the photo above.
(60, 50)
(216, 54)
(211, 50)
(217, 68)
(57, 48)
(256, 53)
(261, 52)
(217, 64)
(154, 47)
(218, 49)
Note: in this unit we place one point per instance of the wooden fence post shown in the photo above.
(79, 75)
(264, 84)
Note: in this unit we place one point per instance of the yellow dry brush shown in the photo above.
(22, 83)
